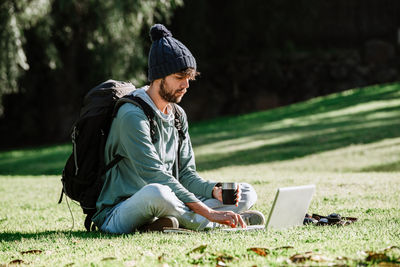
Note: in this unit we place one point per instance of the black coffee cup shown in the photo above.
(229, 193)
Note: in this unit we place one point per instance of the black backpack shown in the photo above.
(81, 177)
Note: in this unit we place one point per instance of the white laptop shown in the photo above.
(288, 210)
(290, 206)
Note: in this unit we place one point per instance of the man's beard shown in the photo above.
(169, 96)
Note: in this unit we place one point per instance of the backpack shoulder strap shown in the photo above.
(148, 111)
(178, 123)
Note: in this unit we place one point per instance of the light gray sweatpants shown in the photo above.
(155, 201)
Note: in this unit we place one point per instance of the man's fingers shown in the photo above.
(241, 222)
(228, 222)
(238, 196)
(233, 219)
(238, 200)
(236, 217)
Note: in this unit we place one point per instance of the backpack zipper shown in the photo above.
(73, 137)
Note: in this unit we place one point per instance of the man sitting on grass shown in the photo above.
(144, 191)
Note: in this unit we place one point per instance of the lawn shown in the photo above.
(347, 144)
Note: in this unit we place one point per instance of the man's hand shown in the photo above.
(223, 217)
(217, 194)
(227, 217)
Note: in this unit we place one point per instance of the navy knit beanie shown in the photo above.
(167, 55)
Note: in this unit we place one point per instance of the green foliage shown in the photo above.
(111, 29)
(53, 52)
(15, 17)
(110, 32)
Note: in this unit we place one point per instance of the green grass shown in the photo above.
(348, 144)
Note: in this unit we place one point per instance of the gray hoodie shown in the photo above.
(145, 162)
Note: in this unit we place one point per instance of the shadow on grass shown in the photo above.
(55, 234)
(233, 127)
(310, 136)
(312, 128)
(314, 143)
(39, 161)
(389, 167)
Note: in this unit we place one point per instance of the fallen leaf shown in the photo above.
(390, 248)
(374, 256)
(299, 258)
(199, 249)
(284, 247)
(131, 263)
(342, 258)
(260, 251)
(32, 251)
(319, 258)
(161, 258)
(221, 263)
(108, 258)
(224, 257)
(388, 264)
(16, 262)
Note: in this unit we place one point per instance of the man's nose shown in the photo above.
(185, 83)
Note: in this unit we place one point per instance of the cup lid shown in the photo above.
(229, 185)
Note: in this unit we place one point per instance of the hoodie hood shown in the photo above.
(141, 92)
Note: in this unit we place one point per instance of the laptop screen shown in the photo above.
(290, 206)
